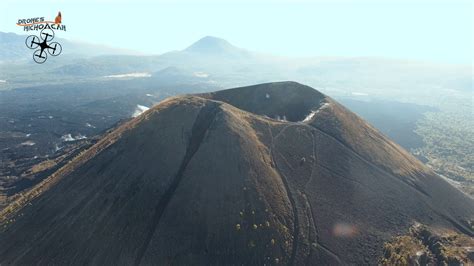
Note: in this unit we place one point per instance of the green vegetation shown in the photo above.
(449, 141)
(428, 246)
(404, 250)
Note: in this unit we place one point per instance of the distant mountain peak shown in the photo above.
(212, 40)
(213, 45)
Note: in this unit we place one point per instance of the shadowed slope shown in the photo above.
(214, 179)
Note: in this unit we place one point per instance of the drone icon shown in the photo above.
(46, 35)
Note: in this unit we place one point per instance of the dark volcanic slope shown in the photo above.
(214, 179)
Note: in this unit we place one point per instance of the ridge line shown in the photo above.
(201, 126)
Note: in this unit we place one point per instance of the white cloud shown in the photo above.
(69, 137)
(130, 75)
(140, 109)
(313, 113)
(28, 143)
(201, 74)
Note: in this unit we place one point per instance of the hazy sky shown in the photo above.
(438, 31)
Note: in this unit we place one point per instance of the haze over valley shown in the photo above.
(422, 106)
(214, 154)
